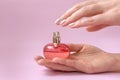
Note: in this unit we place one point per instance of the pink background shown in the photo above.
(27, 25)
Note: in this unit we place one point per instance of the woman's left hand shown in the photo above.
(88, 59)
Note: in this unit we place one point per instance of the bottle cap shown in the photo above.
(56, 38)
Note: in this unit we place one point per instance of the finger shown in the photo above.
(73, 9)
(38, 58)
(95, 28)
(76, 47)
(86, 11)
(67, 62)
(55, 66)
(77, 64)
(90, 21)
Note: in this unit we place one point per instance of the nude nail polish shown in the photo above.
(57, 21)
(56, 49)
(62, 22)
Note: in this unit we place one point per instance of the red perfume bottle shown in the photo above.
(56, 49)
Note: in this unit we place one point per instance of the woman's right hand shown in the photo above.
(93, 14)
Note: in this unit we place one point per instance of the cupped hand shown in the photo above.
(87, 58)
(93, 14)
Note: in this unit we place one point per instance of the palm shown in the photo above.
(92, 59)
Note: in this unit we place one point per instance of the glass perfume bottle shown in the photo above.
(56, 49)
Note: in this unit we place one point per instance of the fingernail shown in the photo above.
(40, 61)
(71, 25)
(54, 59)
(57, 21)
(62, 22)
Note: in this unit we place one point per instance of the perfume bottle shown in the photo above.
(56, 49)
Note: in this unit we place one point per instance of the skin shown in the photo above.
(92, 14)
(87, 59)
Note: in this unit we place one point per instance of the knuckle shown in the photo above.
(70, 18)
(89, 7)
(84, 9)
(77, 6)
(92, 6)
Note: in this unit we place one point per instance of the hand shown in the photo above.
(88, 59)
(93, 14)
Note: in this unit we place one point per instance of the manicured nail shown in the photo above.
(62, 22)
(40, 62)
(57, 21)
(71, 25)
(54, 59)
(73, 52)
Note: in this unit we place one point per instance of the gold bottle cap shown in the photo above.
(56, 38)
